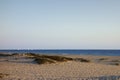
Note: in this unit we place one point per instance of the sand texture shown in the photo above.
(20, 67)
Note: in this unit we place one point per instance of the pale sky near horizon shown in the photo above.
(59, 24)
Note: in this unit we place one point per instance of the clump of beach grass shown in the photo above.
(32, 54)
(44, 60)
(101, 59)
(5, 55)
(117, 64)
(3, 75)
(82, 60)
(41, 59)
(115, 61)
(57, 58)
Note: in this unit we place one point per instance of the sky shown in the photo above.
(59, 24)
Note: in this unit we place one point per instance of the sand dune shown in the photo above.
(23, 68)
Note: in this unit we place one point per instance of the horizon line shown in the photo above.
(60, 49)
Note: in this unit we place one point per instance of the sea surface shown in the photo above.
(77, 52)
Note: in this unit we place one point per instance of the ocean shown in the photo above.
(70, 51)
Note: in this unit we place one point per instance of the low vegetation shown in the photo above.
(4, 54)
(44, 60)
(13, 54)
(32, 55)
(103, 59)
(57, 58)
(117, 64)
(115, 61)
(82, 60)
(41, 59)
(3, 75)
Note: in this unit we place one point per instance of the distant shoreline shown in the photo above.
(66, 51)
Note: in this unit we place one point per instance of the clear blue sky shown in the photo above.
(60, 24)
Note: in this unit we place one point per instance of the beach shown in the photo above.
(22, 67)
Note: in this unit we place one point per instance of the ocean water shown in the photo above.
(78, 52)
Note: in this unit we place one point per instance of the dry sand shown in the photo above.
(22, 68)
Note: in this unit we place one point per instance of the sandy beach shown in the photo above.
(21, 67)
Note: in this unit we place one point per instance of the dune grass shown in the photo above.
(41, 59)
(101, 59)
(57, 58)
(3, 75)
(44, 60)
(116, 64)
(115, 61)
(82, 60)
(3, 55)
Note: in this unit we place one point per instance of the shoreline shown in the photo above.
(99, 52)
(60, 54)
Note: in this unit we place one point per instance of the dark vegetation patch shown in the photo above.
(101, 59)
(14, 54)
(115, 61)
(57, 58)
(44, 60)
(3, 75)
(117, 64)
(82, 60)
(9, 54)
(4, 54)
(41, 59)
(32, 54)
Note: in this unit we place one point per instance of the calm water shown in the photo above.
(85, 52)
